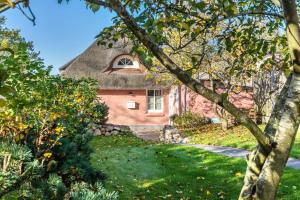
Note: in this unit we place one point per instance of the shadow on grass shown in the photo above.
(140, 170)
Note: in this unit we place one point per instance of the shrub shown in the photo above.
(189, 120)
(83, 191)
(43, 125)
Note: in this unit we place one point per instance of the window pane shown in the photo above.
(121, 62)
(128, 62)
(157, 92)
(151, 105)
(158, 103)
(125, 61)
(151, 93)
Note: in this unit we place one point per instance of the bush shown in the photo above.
(83, 191)
(189, 120)
(43, 125)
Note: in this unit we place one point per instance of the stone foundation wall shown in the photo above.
(109, 129)
(172, 135)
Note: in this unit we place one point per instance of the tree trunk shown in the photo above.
(259, 116)
(271, 173)
(265, 169)
(258, 157)
(224, 123)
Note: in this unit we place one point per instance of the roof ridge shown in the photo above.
(68, 64)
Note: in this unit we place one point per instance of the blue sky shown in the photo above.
(62, 31)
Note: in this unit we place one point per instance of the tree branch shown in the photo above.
(5, 7)
(193, 84)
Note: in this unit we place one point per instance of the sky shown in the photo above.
(62, 31)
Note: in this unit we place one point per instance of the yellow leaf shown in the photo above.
(19, 137)
(58, 129)
(4, 44)
(7, 2)
(238, 174)
(53, 116)
(208, 192)
(47, 155)
(78, 100)
(22, 126)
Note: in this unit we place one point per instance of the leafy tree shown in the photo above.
(44, 125)
(145, 23)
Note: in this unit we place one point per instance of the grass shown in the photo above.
(145, 170)
(237, 136)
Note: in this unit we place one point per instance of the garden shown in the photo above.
(48, 145)
(145, 170)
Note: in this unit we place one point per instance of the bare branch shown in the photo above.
(31, 18)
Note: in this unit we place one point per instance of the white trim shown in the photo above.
(134, 66)
(162, 101)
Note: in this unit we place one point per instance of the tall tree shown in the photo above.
(144, 22)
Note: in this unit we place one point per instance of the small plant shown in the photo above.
(83, 191)
(189, 120)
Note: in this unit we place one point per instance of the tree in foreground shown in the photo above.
(44, 128)
(242, 26)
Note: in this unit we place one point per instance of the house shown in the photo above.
(132, 98)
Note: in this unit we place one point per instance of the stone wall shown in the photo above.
(109, 129)
(172, 135)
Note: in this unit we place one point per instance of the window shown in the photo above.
(155, 100)
(125, 61)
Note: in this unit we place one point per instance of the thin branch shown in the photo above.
(185, 78)
(31, 18)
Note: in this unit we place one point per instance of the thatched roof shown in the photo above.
(95, 63)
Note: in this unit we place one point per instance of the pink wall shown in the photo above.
(120, 114)
(199, 104)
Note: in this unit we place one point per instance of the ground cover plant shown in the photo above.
(146, 170)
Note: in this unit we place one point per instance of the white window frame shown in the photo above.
(134, 66)
(162, 101)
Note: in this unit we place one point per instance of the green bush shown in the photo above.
(83, 191)
(43, 125)
(189, 120)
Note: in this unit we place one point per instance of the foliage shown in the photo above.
(206, 36)
(17, 164)
(82, 191)
(44, 124)
(189, 120)
(159, 171)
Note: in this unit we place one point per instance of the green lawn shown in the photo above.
(144, 170)
(237, 136)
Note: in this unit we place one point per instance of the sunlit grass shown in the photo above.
(237, 136)
(145, 170)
